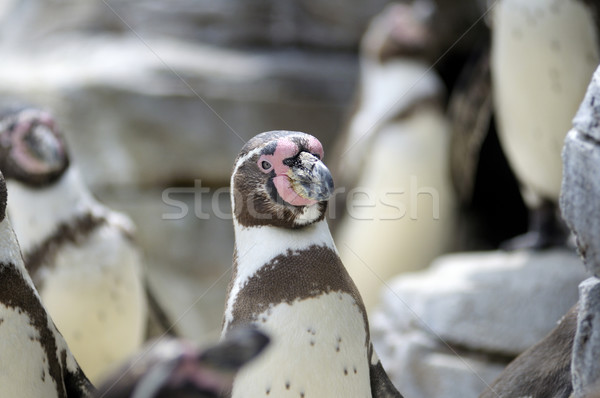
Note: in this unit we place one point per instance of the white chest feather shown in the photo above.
(403, 217)
(24, 369)
(96, 298)
(318, 350)
(543, 55)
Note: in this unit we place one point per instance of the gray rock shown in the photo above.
(587, 118)
(147, 115)
(497, 302)
(331, 24)
(581, 165)
(423, 367)
(586, 349)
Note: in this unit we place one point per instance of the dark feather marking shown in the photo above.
(295, 276)
(381, 385)
(158, 323)
(18, 294)
(72, 231)
(313, 271)
(470, 111)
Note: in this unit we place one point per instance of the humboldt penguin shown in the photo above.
(543, 54)
(393, 158)
(79, 253)
(289, 281)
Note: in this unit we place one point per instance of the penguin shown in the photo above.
(288, 279)
(543, 55)
(176, 368)
(35, 359)
(393, 158)
(544, 370)
(490, 206)
(79, 253)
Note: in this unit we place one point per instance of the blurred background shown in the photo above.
(153, 95)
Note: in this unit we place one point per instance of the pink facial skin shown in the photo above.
(286, 149)
(20, 150)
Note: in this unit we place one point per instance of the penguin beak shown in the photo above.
(310, 178)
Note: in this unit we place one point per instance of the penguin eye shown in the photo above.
(265, 165)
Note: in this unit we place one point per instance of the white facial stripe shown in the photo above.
(309, 214)
(257, 246)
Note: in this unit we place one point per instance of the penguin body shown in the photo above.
(544, 53)
(36, 361)
(399, 203)
(79, 253)
(290, 282)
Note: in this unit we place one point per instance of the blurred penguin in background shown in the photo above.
(393, 157)
(79, 253)
(176, 368)
(543, 55)
(511, 110)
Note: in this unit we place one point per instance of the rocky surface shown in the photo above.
(581, 159)
(469, 314)
(184, 110)
(422, 366)
(579, 205)
(585, 367)
(332, 25)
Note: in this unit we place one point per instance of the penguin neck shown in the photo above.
(256, 246)
(35, 213)
(388, 88)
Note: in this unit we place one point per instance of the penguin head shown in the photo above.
(32, 149)
(400, 30)
(280, 179)
(176, 368)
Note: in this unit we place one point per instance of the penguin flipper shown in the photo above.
(381, 385)
(158, 322)
(78, 385)
(471, 111)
